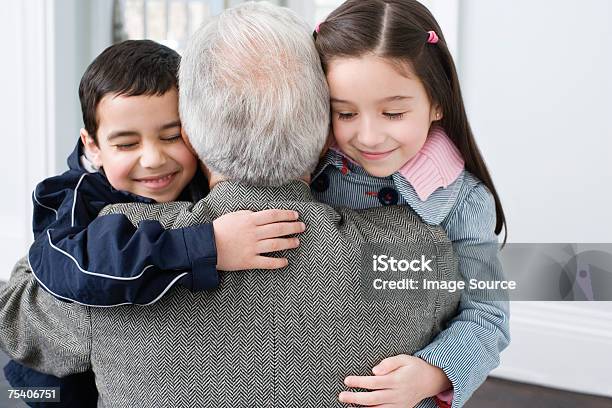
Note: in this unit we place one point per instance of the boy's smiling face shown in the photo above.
(140, 146)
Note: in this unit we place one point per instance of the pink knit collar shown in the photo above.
(436, 165)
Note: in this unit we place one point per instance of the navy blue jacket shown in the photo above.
(106, 261)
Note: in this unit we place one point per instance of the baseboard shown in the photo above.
(560, 345)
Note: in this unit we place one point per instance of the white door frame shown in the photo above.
(30, 122)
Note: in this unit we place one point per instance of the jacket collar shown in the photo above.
(295, 190)
(74, 160)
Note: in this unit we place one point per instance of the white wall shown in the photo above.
(12, 213)
(82, 29)
(50, 43)
(537, 84)
(536, 79)
(26, 124)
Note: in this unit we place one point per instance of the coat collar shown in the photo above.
(436, 165)
(296, 190)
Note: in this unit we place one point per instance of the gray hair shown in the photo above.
(253, 99)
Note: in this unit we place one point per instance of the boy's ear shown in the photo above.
(92, 151)
(187, 142)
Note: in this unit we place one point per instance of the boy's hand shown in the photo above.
(400, 381)
(242, 236)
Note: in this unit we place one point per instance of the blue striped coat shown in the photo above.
(469, 348)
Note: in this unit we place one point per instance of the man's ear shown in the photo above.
(187, 142)
(92, 151)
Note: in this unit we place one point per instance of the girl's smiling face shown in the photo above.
(380, 118)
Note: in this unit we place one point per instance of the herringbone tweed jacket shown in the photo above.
(284, 338)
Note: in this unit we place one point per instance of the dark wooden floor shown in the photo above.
(498, 393)
(493, 393)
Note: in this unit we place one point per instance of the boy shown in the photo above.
(131, 150)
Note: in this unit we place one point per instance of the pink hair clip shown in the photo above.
(433, 37)
(317, 28)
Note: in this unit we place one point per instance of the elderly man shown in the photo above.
(254, 103)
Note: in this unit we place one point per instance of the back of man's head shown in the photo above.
(253, 97)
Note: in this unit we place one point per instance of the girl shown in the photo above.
(401, 136)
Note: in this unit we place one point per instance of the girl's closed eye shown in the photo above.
(394, 115)
(346, 115)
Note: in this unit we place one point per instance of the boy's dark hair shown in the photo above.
(399, 30)
(129, 68)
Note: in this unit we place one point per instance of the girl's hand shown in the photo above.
(242, 236)
(400, 381)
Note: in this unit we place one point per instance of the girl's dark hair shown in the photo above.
(129, 68)
(398, 30)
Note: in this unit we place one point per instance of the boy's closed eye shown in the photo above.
(173, 138)
(130, 144)
(125, 144)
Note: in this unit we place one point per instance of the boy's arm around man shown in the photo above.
(107, 261)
